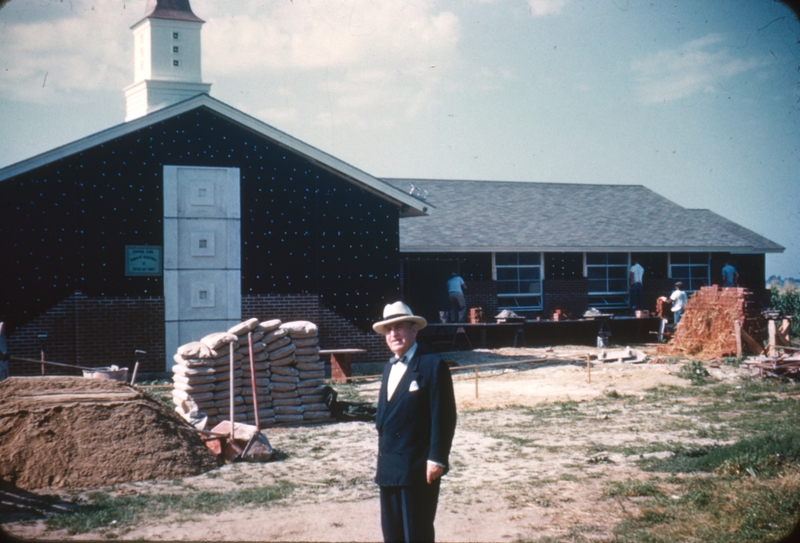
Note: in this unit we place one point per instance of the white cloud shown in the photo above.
(61, 57)
(540, 8)
(698, 66)
(364, 64)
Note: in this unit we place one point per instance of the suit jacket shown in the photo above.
(415, 425)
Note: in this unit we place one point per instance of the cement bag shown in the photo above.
(242, 328)
(300, 329)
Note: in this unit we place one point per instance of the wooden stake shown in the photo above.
(737, 328)
(589, 367)
(772, 341)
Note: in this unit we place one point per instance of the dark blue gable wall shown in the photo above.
(64, 226)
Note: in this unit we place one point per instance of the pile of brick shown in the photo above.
(706, 330)
(289, 375)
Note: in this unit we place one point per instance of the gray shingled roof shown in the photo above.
(516, 216)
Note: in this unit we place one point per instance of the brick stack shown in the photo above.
(706, 330)
(289, 375)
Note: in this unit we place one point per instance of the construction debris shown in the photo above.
(289, 380)
(784, 366)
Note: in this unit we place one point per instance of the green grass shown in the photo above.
(102, 512)
(717, 510)
(764, 454)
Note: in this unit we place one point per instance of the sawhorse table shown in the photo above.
(340, 362)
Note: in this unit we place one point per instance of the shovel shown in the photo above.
(258, 448)
(230, 450)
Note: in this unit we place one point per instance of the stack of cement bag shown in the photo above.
(289, 375)
(297, 388)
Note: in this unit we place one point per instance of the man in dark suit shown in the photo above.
(416, 420)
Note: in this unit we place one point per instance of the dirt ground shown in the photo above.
(504, 484)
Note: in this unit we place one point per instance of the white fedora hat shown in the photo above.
(397, 312)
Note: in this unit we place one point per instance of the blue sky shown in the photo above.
(696, 100)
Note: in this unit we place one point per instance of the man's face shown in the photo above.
(400, 337)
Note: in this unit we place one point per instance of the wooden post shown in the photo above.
(785, 332)
(476, 382)
(737, 328)
(772, 341)
(589, 367)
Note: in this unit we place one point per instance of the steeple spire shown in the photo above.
(166, 58)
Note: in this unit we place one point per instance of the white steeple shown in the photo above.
(166, 56)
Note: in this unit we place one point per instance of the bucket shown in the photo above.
(602, 342)
(113, 373)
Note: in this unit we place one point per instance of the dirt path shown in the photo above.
(514, 475)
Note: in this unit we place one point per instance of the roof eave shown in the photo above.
(584, 249)
(409, 206)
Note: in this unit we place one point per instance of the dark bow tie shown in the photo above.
(395, 360)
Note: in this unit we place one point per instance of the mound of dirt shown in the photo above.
(76, 432)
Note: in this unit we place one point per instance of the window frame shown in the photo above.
(504, 297)
(690, 283)
(608, 298)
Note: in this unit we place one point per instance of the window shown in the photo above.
(608, 279)
(176, 62)
(175, 49)
(692, 269)
(519, 281)
(176, 35)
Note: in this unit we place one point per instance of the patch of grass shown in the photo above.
(695, 372)
(732, 361)
(631, 489)
(764, 455)
(718, 510)
(348, 392)
(100, 510)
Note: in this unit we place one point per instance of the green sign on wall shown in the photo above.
(143, 260)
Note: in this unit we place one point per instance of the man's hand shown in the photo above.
(434, 472)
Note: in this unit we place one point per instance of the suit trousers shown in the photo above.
(408, 512)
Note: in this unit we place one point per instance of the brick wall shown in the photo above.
(568, 295)
(335, 332)
(96, 332)
(482, 294)
(92, 332)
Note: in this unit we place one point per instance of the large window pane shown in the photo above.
(595, 258)
(607, 275)
(507, 274)
(596, 285)
(620, 259)
(617, 285)
(534, 287)
(505, 259)
(529, 259)
(679, 258)
(519, 280)
(618, 272)
(690, 268)
(596, 272)
(507, 287)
